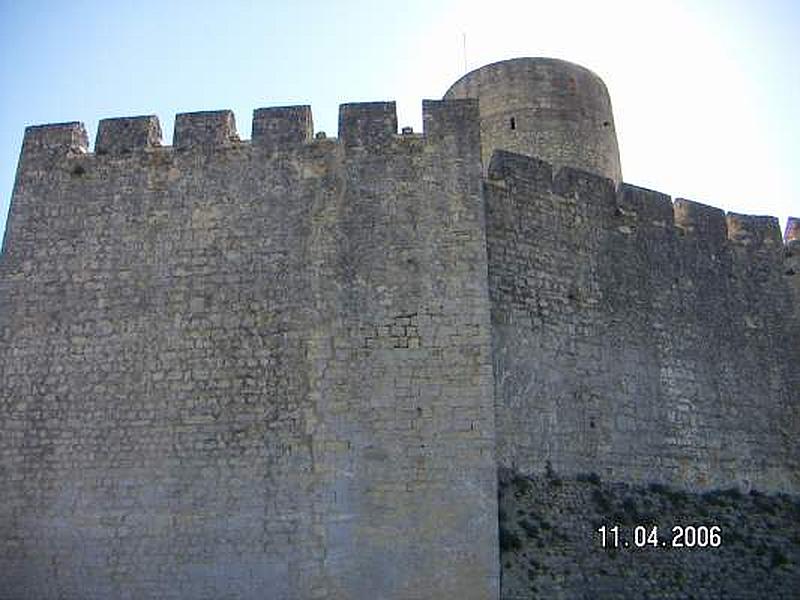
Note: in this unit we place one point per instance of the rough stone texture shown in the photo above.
(792, 264)
(59, 138)
(792, 232)
(544, 107)
(230, 372)
(367, 124)
(289, 368)
(121, 136)
(279, 126)
(210, 129)
(635, 344)
(551, 547)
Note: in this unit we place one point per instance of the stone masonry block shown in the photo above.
(570, 182)
(792, 232)
(753, 230)
(204, 129)
(367, 124)
(282, 125)
(648, 205)
(455, 119)
(124, 135)
(58, 137)
(518, 166)
(700, 220)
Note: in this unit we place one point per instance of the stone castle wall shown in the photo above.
(248, 369)
(636, 339)
(290, 367)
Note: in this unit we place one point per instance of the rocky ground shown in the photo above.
(551, 546)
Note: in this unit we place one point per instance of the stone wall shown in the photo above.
(544, 107)
(637, 339)
(291, 366)
(248, 369)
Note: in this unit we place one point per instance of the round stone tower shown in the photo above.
(547, 108)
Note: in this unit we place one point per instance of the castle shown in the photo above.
(290, 367)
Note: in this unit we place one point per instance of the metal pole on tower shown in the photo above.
(464, 39)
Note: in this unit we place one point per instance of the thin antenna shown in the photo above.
(464, 39)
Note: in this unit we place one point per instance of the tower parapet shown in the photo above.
(547, 108)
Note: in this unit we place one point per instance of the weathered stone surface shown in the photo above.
(636, 348)
(552, 109)
(239, 371)
(290, 367)
(204, 130)
(367, 124)
(792, 232)
(283, 125)
(125, 135)
(54, 139)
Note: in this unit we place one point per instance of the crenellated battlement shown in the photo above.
(792, 232)
(245, 282)
(700, 221)
(511, 167)
(282, 126)
(371, 129)
(753, 230)
(205, 130)
(645, 206)
(634, 334)
(634, 205)
(128, 134)
(362, 125)
(55, 138)
(367, 125)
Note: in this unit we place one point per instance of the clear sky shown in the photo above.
(705, 93)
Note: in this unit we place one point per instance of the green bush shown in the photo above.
(592, 478)
(530, 528)
(509, 541)
(778, 558)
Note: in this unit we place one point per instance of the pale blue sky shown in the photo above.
(705, 93)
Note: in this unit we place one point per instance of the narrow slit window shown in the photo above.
(513, 123)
